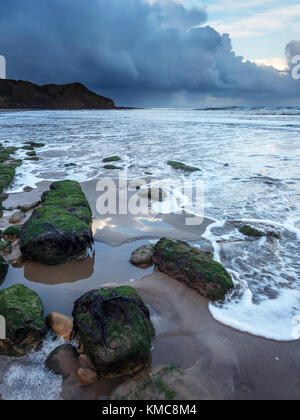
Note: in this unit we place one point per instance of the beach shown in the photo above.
(237, 349)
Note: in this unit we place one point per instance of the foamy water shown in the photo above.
(249, 161)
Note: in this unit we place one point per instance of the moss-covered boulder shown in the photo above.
(60, 230)
(115, 329)
(12, 232)
(3, 268)
(112, 167)
(160, 384)
(24, 315)
(192, 267)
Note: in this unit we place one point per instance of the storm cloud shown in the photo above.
(135, 51)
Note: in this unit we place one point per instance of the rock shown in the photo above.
(31, 153)
(85, 362)
(112, 159)
(111, 167)
(25, 95)
(87, 376)
(182, 167)
(24, 314)
(17, 217)
(27, 207)
(61, 325)
(115, 329)
(153, 194)
(164, 383)
(60, 230)
(193, 268)
(142, 257)
(12, 232)
(62, 360)
(5, 247)
(251, 231)
(15, 257)
(34, 144)
(27, 189)
(3, 268)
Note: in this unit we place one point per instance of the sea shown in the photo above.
(249, 161)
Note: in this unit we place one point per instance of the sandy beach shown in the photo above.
(221, 363)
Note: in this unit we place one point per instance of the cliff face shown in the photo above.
(25, 95)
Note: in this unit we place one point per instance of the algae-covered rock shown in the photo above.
(24, 315)
(115, 330)
(182, 167)
(112, 159)
(160, 384)
(3, 268)
(192, 267)
(251, 231)
(12, 232)
(59, 230)
(111, 167)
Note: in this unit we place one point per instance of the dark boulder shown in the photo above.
(60, 230)
(24, 315)
(193, 268)
(115, 330)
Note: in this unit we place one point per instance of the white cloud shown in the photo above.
(279, 63)
(260, 24)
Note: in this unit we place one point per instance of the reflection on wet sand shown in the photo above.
(67, 273)
(220, 363)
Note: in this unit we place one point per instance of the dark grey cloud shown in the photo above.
(136, 52)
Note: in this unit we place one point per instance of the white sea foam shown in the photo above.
(28, 378)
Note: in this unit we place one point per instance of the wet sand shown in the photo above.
(220, 363)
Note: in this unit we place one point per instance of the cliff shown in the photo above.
(26, 95)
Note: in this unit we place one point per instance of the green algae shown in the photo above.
(112, 159)
(181, 166)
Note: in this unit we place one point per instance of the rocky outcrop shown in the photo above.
(115, 329)
(61, 361)
(24, 315)
(60, 230)
(25, 95)
(192, 267)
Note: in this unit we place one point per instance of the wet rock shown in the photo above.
(34, 144)
(193, 268)
(142, 257)
(5, 247)
(3, 268)
(62, 360)
(86, 376)
(27, 189)
(12, 232)
(111, 167)
(153, 194)
(112, 159)
(15, 257)
(61, 325)
(251, 231)
(24, 314)
(182, 167)
(115, 329)
(164, 383)
(60, 230)
(17, 217)
(27, 207)
(85, 362)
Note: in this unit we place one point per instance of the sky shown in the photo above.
(179, 53)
